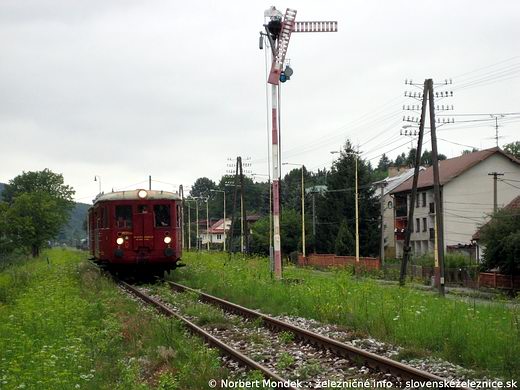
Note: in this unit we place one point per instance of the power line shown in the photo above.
(509, 184)
(486, 67)
(456, 143)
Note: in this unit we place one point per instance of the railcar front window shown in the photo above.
(124, 216)
(162, 215)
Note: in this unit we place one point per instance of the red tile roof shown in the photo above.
(514, 204)
(451, 168)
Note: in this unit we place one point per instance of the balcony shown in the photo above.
(400, 228)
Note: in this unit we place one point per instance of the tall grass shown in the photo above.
(485, 337)
(65, 326)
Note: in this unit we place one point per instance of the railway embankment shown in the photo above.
(480, 337)
(64, 325)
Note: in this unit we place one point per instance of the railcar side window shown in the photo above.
(162, 215)
(101, 218)
(178, 216)
(124, 216)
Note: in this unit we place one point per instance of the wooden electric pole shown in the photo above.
(439, 220)
(408, 232)
(239, 185)
(382, 244)
(495, 192)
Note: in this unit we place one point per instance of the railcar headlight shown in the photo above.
(167, 239)
(142, 194)
(120, 240)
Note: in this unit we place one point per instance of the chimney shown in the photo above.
(393, 171)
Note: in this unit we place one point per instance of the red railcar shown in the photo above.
(136, 229)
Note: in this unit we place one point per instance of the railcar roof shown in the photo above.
(132, 195)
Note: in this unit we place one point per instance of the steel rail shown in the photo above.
(356, 355)
(208, 338)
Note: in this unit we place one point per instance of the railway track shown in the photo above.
(355, 355)
(208, 338)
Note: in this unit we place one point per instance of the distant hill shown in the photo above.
(74, 231)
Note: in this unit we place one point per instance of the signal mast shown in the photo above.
(278, 32)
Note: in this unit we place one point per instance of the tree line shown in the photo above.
(330, 224)
(329, 204)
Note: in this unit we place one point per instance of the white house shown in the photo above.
(467, 188)
(216, 232)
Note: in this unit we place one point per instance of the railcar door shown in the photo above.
(143, 228)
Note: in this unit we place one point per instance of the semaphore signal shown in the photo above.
(278, 31)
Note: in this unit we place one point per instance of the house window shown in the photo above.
(417, 225)
(424, 199)
(424, 224)
(417, 201)
(219, 236)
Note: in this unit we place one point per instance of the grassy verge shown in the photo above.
(64, 326)
(477, 336)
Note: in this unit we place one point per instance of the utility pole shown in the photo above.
(382, 246)
(439, 220)
(243, 217)
(278, 32)
(239, 183)
(303, 214)
(496, 116)
(314, 219)
(408, 232)
(197, 226)
(189, 227)
(98, 179)
(303, 205)
(495, 192)
(207, 223)
(357, 211)
(181, 194)
(437, 191)
(356, 196)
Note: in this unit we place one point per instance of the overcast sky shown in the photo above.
(125, 89)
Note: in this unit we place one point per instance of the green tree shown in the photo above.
(40, 181)
(291, 188)
(513, 148)
(338, 203)
(290, 228)
(260, 236)
(467, 151)
(6, 244)
(501, 240)
(345, 243)
(400, 160)
(410, 159)
(384, 163)
(39, 205)
(34, 218)
(202, 188)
